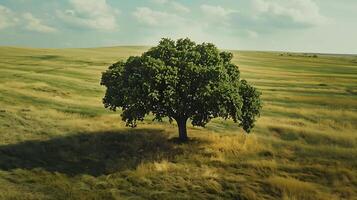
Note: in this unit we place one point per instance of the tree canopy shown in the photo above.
(183, 81)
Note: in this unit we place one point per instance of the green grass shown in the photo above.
(58, 142)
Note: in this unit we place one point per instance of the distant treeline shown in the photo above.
(300, 55)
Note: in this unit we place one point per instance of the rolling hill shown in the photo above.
(58, 142)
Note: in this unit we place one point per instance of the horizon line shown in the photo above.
(149, 46)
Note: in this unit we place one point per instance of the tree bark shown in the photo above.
(181, 123)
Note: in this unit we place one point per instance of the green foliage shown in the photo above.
(181, 80)
(251, 105)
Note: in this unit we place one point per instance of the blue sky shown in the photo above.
(288, 25)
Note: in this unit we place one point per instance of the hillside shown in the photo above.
(58, 142)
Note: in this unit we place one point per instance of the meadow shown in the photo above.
(58, 142)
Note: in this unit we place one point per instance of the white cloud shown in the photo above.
(35, 24)
(216, 11)
(216, 17)
(173, 4)
(160, 1)
(93, 14)
(151, 17)
(7, 17)
(179, 7)
(304, 12)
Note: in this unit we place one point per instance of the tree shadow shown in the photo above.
(95, 153)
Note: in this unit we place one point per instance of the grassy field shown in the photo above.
(58, 142)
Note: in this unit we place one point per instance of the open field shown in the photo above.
(58, 142)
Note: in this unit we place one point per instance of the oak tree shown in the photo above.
(183, 81)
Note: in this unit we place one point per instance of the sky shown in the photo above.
(325, 26)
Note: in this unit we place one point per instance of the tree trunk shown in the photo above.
(181, 123)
